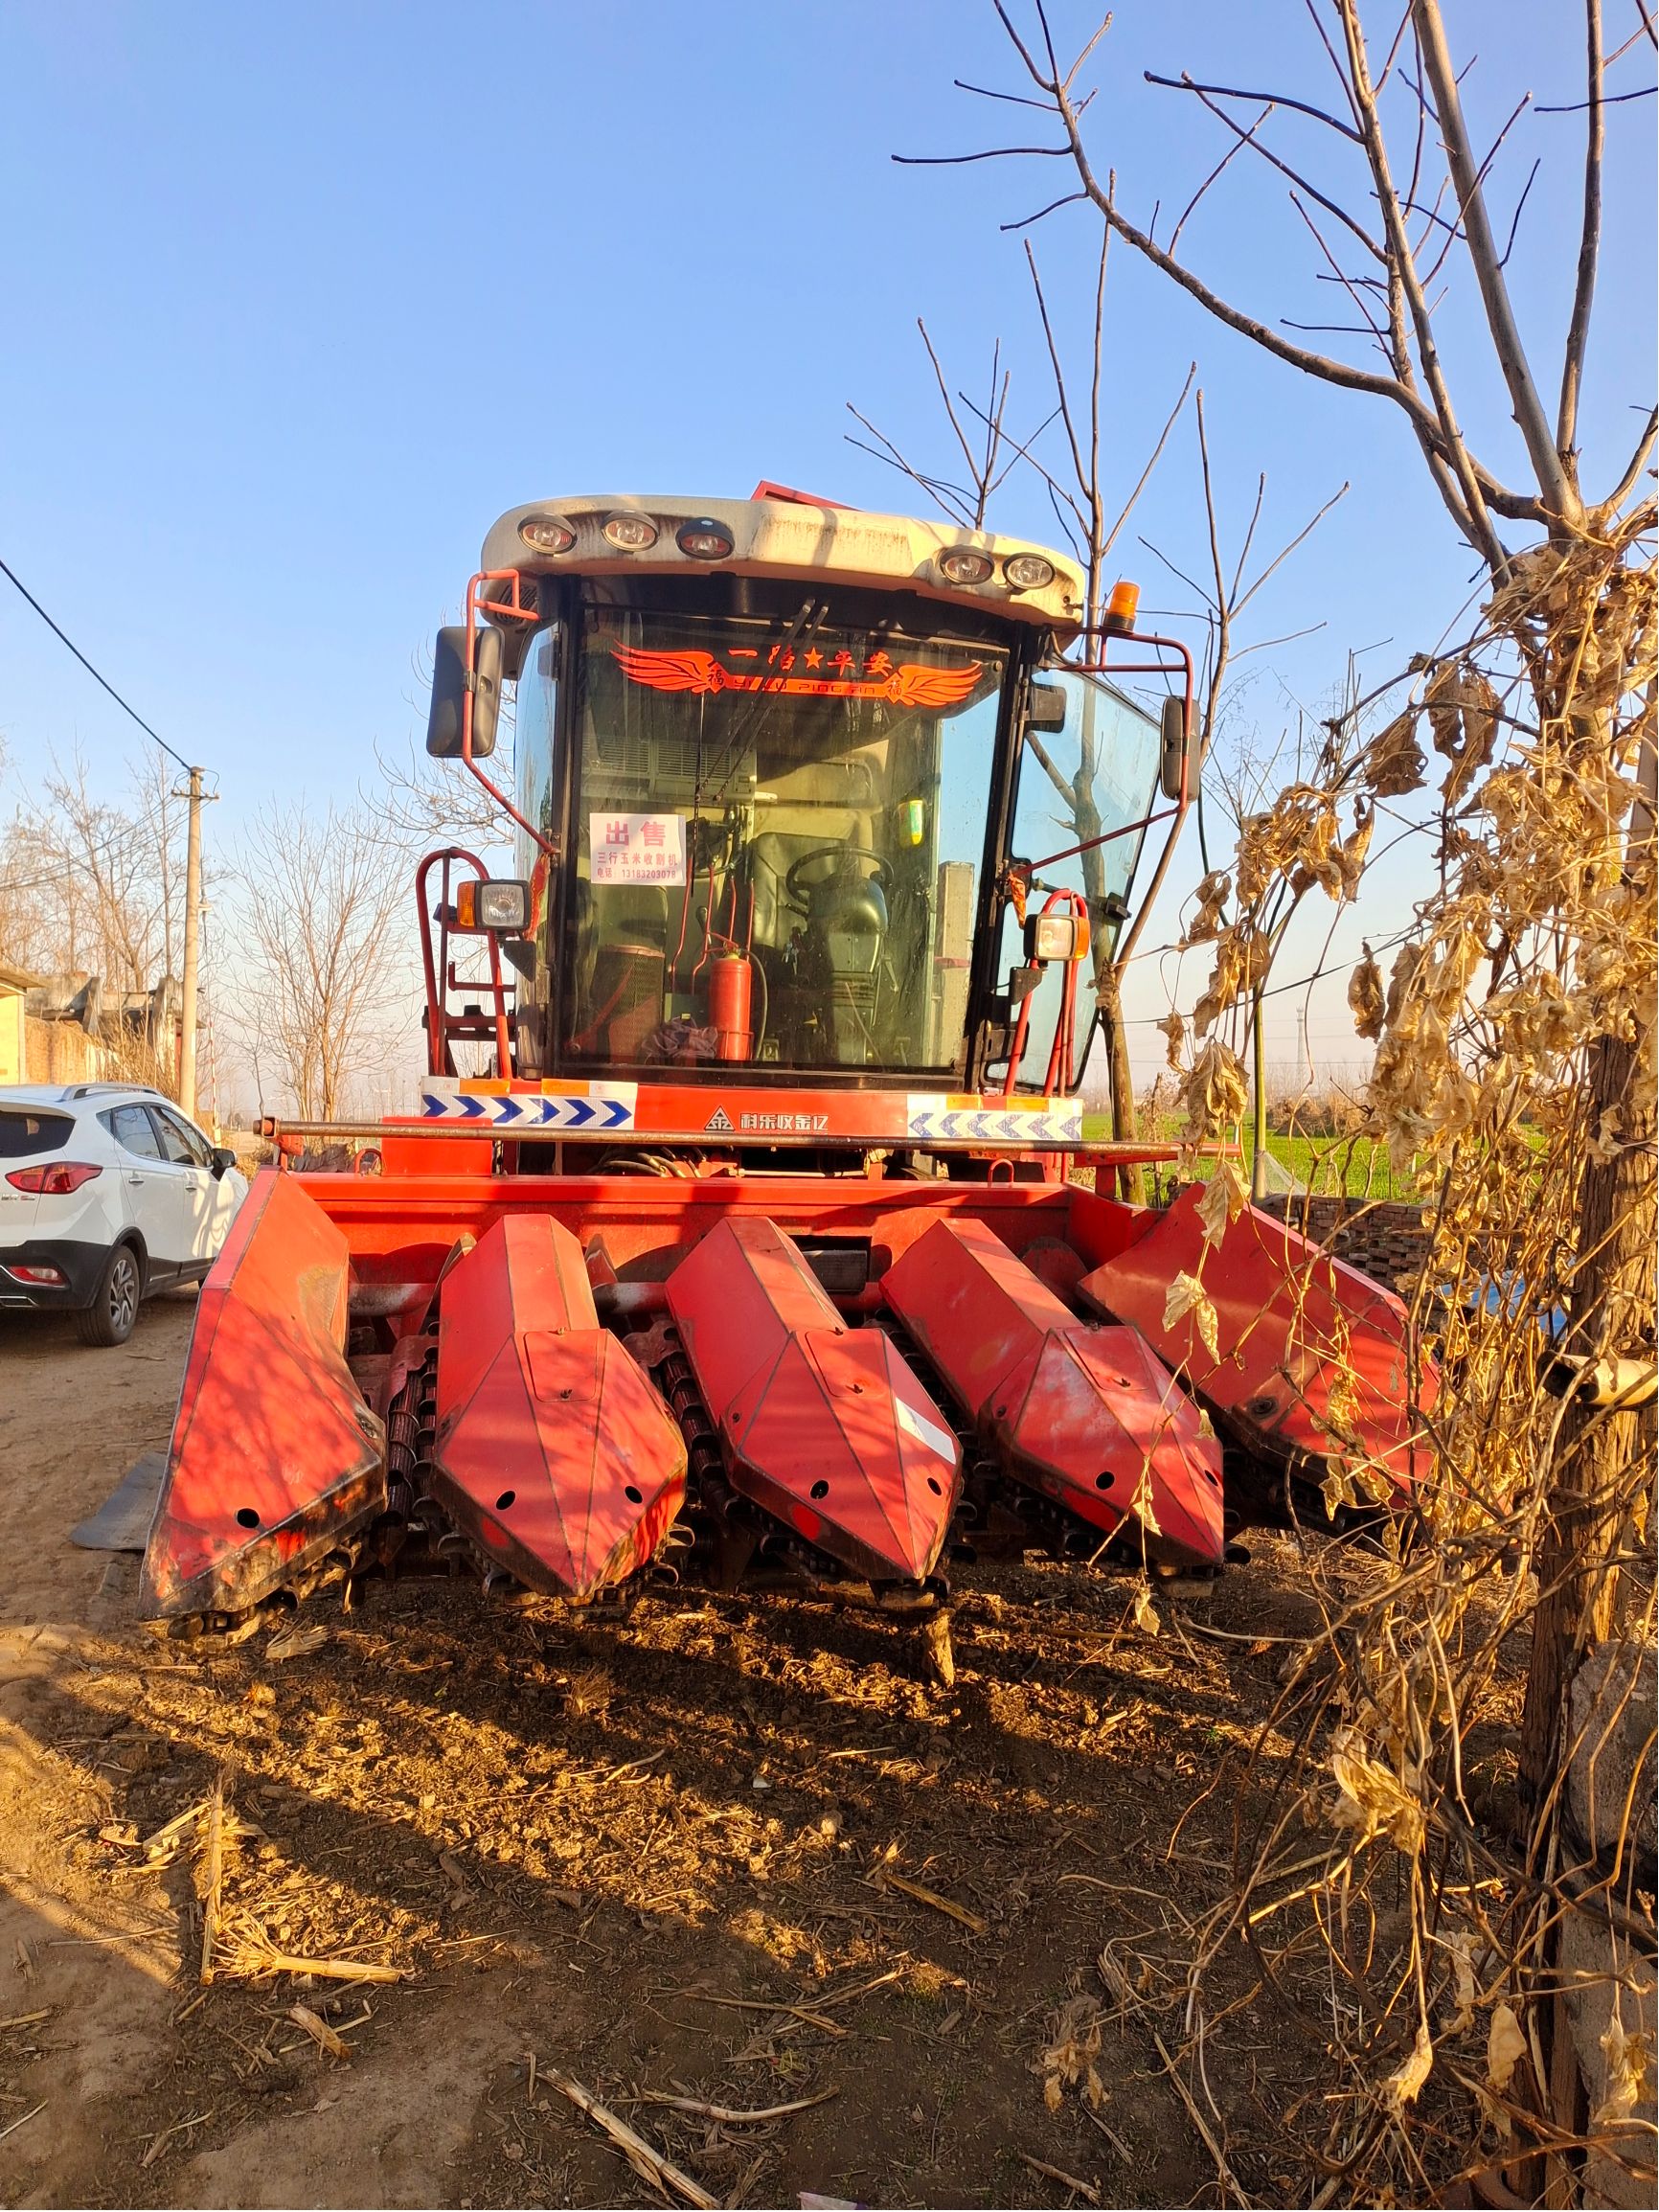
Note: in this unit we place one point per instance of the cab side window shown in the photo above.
(133, 1131)
(180, 1143)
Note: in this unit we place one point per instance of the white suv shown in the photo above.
(107, 1192)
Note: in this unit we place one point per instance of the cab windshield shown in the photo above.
(779, 834)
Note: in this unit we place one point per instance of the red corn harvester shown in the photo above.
(734, 1233)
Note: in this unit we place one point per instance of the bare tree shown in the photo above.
(319, 896)
(1092, 519)
(93, 883)
(1400, 210)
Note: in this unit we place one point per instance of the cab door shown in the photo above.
(152, 1189)
(1093, 775)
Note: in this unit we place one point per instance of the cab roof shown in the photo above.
(787, 538)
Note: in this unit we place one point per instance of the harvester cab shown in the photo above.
(737, 1231)
(786, 777)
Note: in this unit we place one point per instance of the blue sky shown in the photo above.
(299, 298)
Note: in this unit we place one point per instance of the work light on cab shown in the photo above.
(962, 564)
(1050, 937)
(1029, 572)
(547, 534)
(632, 533)
(494, 907)
(704, 540)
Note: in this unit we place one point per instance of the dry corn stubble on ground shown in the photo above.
(652, 1854)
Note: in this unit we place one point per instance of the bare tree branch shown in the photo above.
(1030, 221)
(1295, 176)
(1554, 481)
(1607, 100)
(1243, 138)
(1589, 247)
(1626, 483)
(1186, 84)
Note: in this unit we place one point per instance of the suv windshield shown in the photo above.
(805, 794)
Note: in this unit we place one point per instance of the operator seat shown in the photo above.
(622, 947)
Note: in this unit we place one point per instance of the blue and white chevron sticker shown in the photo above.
(596, 1111)
(988, 1121)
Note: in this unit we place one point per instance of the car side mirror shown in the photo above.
(1174, 766)
(445, 721)
(220, 1159)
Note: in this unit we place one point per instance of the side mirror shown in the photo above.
(1046, 707)
(220, 1159)
(1173, 758)
(444, 723)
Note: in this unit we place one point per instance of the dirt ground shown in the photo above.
(663, 1856)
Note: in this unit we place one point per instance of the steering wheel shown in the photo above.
(797, 889)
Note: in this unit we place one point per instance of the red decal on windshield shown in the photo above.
(908, 685)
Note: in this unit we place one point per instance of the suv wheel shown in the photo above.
(114, 1308)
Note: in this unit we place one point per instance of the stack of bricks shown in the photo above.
(1383, 1236)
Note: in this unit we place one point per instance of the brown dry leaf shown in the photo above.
(1224, 1199)
(1349, 857)
(1462, 1967)
(1214, 1093)
(1372, 1798)
(1141, 1504)
(1146, 1618)
(1186, 1295)
(1630, 2069)
(1403, 2086)
(1214, 892)
(295, 1643)
(1506, 2045)
(1342, 1404)
(1365, 996)
(1337, 1488)
(321, 2033)
(1394, 761)
(1175, 1028)
(1068, 2061)
(1462, 712)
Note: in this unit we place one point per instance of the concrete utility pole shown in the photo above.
(192, 947)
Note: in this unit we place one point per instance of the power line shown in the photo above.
(67, 640)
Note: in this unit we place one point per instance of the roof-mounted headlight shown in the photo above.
(547, 534)
(961, 564)
(1029, 571)
(632, 533)
(704, 540)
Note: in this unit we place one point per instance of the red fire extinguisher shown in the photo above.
(731, 988)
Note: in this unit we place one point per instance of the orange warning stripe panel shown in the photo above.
(737, 1113)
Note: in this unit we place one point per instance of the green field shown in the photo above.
(1330, 1166)
(1326, 1166)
